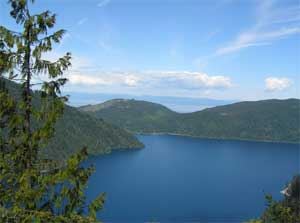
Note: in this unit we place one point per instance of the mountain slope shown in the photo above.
(74, 130)
(133, 115)
(267, 120)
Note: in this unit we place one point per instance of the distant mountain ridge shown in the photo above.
(267, 120)
(75, 129)
(179, 104)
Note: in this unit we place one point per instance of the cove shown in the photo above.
(183, 179)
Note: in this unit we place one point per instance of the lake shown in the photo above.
(182, 179)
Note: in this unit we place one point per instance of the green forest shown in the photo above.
(266, 120)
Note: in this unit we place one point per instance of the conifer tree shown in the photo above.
(31, 191)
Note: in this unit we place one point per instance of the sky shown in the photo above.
(218, 49)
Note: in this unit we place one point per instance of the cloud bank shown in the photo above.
(183, 83)
(154, 78)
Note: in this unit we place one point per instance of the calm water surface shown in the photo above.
(182, 179)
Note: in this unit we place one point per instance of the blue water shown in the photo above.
(182, 179)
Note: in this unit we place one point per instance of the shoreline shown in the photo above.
(203, 137)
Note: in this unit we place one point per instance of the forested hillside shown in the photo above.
(75, 130)
(267, 120)
(135, 116)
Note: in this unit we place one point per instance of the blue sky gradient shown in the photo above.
(223, 49)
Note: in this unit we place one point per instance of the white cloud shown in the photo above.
(277, 84)
(196, 79)
(103, 3)
(155, 80)
(100, 79)
(82, 21)
(272, 23)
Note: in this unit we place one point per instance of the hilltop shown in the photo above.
(267, 120)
